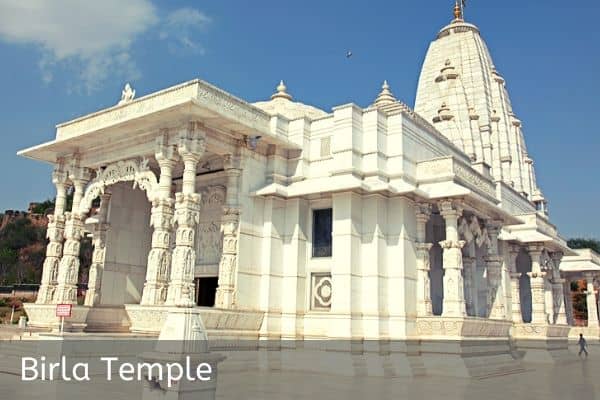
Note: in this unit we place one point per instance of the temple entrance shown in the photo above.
(206, 289)
(128, 240)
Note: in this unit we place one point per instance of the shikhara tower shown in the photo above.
(462, 93)
(276, 219)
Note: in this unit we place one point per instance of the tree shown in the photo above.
(581, 243)
(8, 259)
(43, 207)
(19, 234)
(22, 247)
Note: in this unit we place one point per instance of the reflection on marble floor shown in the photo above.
(574, 380)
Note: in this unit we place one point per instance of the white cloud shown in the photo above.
(92, 39)
(180, 26)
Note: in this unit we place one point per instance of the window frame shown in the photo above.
(315, 212)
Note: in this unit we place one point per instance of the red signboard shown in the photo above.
(64, 310)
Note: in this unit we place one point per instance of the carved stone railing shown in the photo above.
(512, 201)
(449, 169)
(537, 331)
(446, 327)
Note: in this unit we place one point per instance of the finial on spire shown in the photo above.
(385, 96)
(281, 92)
(457, 11)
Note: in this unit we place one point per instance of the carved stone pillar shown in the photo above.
(68, 269)
(470, 267)
(187, 214)
(515, 283)
(559, 299)
(592, 306)
(92, 297)
(55, 234)
(226, 291)
(161, 219)
(454, 295)
(538, 277)
(424, 307)
(497, 309)
(558, 295)
(568, 302)
(549, 291)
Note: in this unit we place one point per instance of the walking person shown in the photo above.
(582, 345)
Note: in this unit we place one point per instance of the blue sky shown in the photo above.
(66, 58)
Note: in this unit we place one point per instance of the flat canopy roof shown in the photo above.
(584, 260)
(195, 99)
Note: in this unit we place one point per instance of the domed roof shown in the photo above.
(281, 104)
(465, 97)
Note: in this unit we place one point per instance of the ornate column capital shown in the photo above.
(423, 212)
(191, 143)
(556, 255)
(163, 151)
(80, 175)
(450, 208)
(59, 175)
(514, 249)
(452, 244)
(535, 249)
(535, 252)
(538, 274)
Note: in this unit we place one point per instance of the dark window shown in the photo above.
(322, 228)
(206, 289)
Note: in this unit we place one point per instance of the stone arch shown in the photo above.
(135, 170)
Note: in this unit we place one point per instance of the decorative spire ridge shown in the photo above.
(385, 96)
(281, 92)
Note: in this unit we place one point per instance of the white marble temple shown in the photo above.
(356, 223)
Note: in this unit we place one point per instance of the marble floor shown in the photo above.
(573, 380)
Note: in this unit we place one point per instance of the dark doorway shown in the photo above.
(206, 289)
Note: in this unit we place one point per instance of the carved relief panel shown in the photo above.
(209, 242)
(321, 291)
